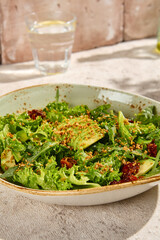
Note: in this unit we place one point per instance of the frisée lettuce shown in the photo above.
(62, 147)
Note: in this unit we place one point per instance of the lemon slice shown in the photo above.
(49, 23)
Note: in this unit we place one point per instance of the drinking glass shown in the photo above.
(51, 36)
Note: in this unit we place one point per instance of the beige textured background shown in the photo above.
(99, 23)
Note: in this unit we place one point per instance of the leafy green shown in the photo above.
(122, 128)
(9, 173)
(100, 111)
(74, 147)
(44, 148)
(148, 115)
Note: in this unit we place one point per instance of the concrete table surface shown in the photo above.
(130, 66)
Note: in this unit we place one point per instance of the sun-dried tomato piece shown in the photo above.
(35, 113)
(115, 182)
(68, 162)
(152, 149)
(130, 120)
(129, 178)
(129, 170)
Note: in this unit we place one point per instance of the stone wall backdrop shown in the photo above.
(140, 18)
(99, 23)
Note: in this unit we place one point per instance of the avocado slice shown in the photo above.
(145, 166)
(78, 132)
(7, 159)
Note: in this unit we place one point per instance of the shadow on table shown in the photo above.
(119, 220)
(150, 88)
(143, 52)
(18, 72)
(32, 219)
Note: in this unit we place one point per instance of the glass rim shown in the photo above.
(73, 17)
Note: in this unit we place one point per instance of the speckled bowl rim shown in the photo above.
(87, 190)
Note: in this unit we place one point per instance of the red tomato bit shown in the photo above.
(68, 162)
(129, 170)
(35, 113)
(152, 149)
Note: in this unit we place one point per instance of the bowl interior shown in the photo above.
(39, 96)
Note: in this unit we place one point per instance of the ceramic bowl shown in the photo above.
(38, 97)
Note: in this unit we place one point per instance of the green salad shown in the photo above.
(62, 147)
